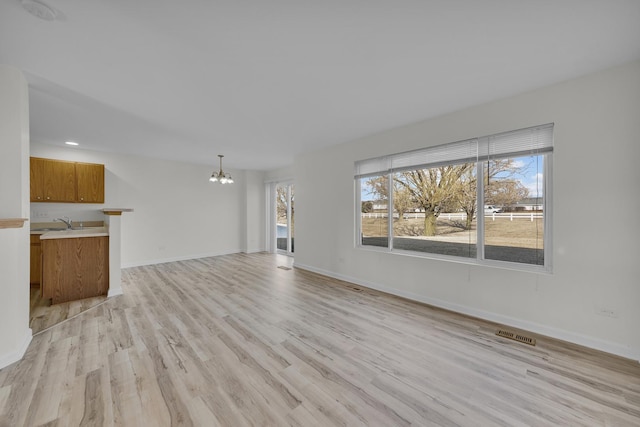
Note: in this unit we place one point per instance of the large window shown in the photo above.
(482, 200)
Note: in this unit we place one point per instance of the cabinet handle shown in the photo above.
(48, 198)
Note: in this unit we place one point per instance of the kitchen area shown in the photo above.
(71, 261)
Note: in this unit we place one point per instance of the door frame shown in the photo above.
(272, 216)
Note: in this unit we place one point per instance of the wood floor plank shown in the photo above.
(235, 341)
(152, 408)
(126, 403)
(93, 401)
(43, 315)
(5, 392)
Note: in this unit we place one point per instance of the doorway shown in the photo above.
(284, 218)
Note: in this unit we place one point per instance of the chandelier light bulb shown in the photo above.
(220, 176)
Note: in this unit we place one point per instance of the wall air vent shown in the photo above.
(516, 337)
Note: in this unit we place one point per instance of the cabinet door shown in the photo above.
(51, 266)
(36, 167)
(59, 181)
(36, 261)
(75, 268)
(90, 179)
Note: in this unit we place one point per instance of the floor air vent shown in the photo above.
(516, 337)
(282, 267)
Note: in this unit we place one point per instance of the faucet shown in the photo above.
(66, 220)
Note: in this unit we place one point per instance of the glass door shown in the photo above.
(284, 218)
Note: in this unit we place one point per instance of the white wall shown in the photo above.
(15, 334)
(596, 247)
(254, 232)
(178, 213)
(279, 175)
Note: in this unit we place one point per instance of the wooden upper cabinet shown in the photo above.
(52, 180)
(90, 178)
(66, 182)
(59, 181)
(36, 167)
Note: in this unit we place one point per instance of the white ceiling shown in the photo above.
(263, 80)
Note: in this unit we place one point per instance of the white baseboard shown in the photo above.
(14, 356)
(114, 292)
(180, 258)
(254, 251)
(549, 331)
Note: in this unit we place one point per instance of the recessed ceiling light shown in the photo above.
(71, 143)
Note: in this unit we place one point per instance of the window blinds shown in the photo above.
(533, 140)
(370, 167)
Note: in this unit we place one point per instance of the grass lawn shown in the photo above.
(520, 240)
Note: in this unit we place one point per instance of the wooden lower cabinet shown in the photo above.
(36, 259)
(75, 268)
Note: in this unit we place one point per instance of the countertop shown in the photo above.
(71, 234)
(12, 222)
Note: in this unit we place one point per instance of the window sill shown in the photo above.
(504, 265)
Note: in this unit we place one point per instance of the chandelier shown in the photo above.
(220, 176)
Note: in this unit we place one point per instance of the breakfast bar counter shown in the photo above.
(72, 233)
(75, 263)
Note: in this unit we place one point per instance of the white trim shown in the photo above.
(289, 218)
(114, 292)
(269, 218)
(13, 357)
(272, 213)
(357, 238)
(480, 217)
(255, 251)
(505, 265)
(390, 208)
(548, 203)
(180, 258)
(549, 331)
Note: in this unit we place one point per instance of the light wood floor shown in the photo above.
(43, 315)
(236, 341)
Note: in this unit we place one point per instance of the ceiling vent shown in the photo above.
(39, 9)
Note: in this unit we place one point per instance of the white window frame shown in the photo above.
(441, 154)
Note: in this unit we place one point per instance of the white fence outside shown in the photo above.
(461, 215)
